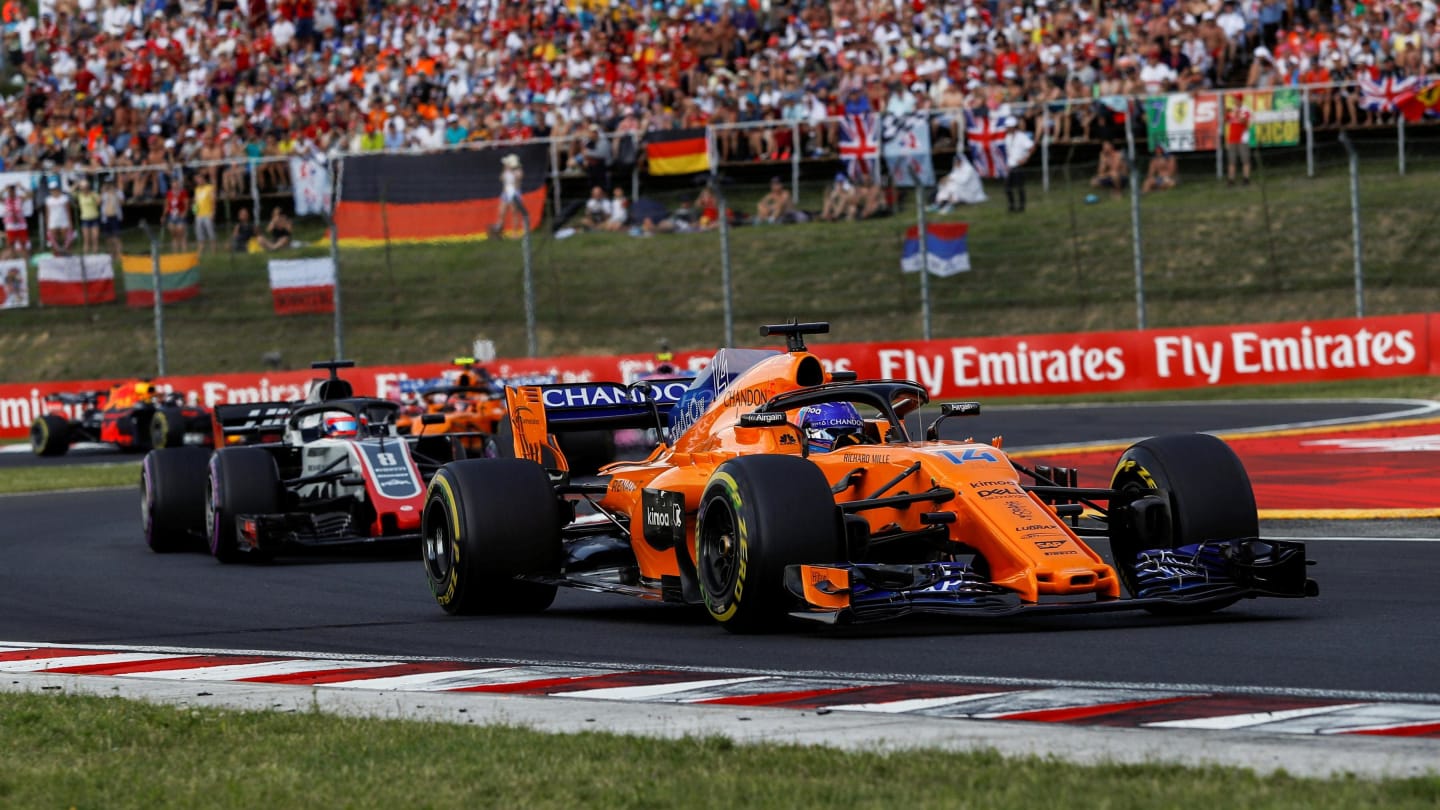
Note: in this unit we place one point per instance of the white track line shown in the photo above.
(653, 691)
(1233, 721)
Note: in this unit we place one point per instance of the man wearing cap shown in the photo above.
(1018, 148)
(839, 200)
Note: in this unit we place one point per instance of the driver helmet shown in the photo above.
(826, 423)
(342, 426)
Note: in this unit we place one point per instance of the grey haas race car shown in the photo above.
(330, 470)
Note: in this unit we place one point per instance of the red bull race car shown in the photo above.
(786, 491)
(331, 470)
(135, 415)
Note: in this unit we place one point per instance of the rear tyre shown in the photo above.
(172, 498)
(1209, 493)
(49, 435)
(167, 428)
(486, 522)
(758, 515)
(242, 481)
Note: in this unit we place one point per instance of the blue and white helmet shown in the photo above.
(825, 423)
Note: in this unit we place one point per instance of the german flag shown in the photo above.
(678, 151)
(440, 197)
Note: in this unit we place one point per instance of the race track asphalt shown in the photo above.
(74, 569)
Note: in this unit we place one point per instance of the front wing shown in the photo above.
(308, 530)
(1202, 575)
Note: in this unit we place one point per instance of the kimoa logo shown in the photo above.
(659, 518)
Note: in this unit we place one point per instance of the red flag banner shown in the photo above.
(300, 286)
(73, 281)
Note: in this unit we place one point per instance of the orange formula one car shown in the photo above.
(785, 490)
(471, 403)
(134, 415)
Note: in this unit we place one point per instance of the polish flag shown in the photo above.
(302, 285)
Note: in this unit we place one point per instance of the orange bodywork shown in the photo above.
(1026, 545)
(464, 413)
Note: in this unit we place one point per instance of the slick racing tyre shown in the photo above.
(242, 481)
(487, 521)
(49, 435)
(758, 515)
(1209, 495)
(172, 498)
(167, 428)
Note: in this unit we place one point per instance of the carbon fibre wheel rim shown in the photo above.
(435, 545)
(719, 550)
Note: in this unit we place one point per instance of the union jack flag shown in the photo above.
(859, 147)
(985, 142)
(1390, 94)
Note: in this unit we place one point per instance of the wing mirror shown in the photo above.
(948, 410)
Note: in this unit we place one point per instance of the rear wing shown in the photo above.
(537, 412)
(611, 405)
(251, 422)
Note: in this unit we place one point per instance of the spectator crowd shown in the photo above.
(105, 87)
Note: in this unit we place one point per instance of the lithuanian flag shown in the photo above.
(678, 151)
(179, 278)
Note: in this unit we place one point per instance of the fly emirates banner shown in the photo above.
(963, 368)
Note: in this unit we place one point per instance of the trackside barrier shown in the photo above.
(1015, 365)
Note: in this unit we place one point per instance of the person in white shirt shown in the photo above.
(1018, 147)
(57, 218)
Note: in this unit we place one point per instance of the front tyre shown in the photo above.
(49, 435)
(1209, 495)
(242, 481)
(167, 428)
(172, 498)
(758, 515)
(486, 522)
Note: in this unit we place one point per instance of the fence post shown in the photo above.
(1355, 224)
(924, 259)
(532, 347)
(1309, 133)
(1135, 217)
(555, 170)
(255, 190)
(1220, 141)
(158, 297)
(339, 310)
(725, 280)
(1045, 148)
(795, 163)
(1400, 131)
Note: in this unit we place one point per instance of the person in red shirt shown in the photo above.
(1237, 141)
(177, 207)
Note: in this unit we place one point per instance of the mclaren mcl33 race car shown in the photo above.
(134, 415)
(783, 490)
(331, 470)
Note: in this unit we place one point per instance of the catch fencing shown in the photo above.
(1324, 229)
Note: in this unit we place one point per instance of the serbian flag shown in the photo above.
(451, 196)
(73, 281)
(677, 151)
(302, 285)
(179, 278)
(945, 250)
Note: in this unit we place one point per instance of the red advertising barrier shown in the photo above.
(965, 368)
